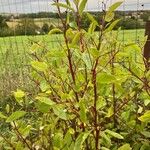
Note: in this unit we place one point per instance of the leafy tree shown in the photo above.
(3, 23)
(27, 27)
(4, 29)
(130, 23)
(145, 16)
(45, 28)
(6, 32)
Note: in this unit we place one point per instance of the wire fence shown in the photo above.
(14, 59)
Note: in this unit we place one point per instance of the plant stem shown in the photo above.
(21, 137)
(113, 86)
(69, 56)
(95, 106)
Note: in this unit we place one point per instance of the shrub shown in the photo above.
(4, 29)
(27, 27)
(45, 28)
(3, 23)
(6, 32)
(131, 23)
(91, 92)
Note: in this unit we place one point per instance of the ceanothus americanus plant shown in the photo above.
(92, 91)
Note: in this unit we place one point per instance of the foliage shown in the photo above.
(46, 28)
(3, 23)
(4, 32)
(131, 23)
(92, 92)
(26, 27)
(145, 16)
(4, 29)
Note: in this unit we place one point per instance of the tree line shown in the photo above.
(27, 25)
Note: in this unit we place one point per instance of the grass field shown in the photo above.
(14, 55)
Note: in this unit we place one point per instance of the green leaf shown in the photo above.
(91, 18)
(104, 148)
(68, 2)
(35, 46)
(114, 134)
(110, 112)
(146, 134)
(112, 25)
(25, 131)
(2, 116)
(148, 74)
(80, 140)
(71, 131)
(115, 6)
(44, 86)
(60, 112)
(92, 28)
(82, 6)
(125, 147)
(145, 146)
(19, 146)
(57, 140)
(76, 39)
(42, 107)
(7, 108)
(106, 138)
(19, 94)
(94, 52)
(68, 138)
(105, 78)
(86, 59)
(100, 103)
(16, 115)
(83, 116)
(54, 31)
(109, 16)
(145, 117)
(63, 6)
(76, 2)
(110, 13)
(39, 66)
(45, 100)
(73, 24)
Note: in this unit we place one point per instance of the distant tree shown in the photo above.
(3, 23)
(145, 16)
(45, 28)
(6, 32)
(4, 28)
(129, 23)
(27, 27)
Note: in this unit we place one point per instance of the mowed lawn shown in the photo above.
(14, 54)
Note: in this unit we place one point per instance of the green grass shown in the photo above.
(14, 59)
(14, 56)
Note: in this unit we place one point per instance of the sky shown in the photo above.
(31, 6)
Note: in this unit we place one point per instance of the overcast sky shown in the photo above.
(29, 6)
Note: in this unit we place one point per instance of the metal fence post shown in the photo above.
(147, 45)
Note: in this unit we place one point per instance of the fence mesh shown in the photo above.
(14, 59)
